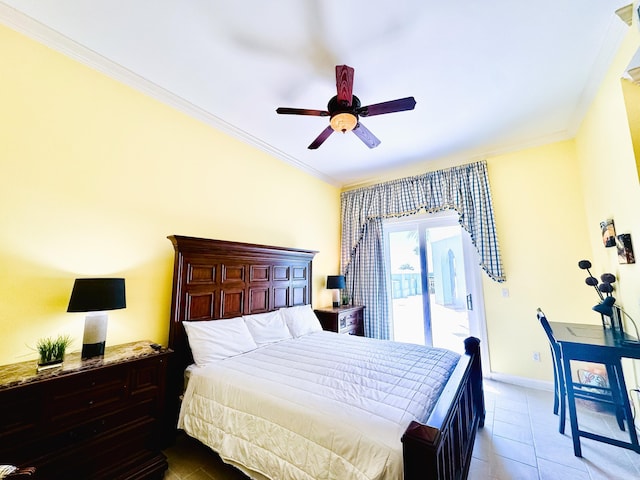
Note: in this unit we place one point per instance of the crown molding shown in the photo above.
(49, 37)
(610, 44)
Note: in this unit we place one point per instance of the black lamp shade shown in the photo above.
(606, 306)
(335, 282)
(97, 295)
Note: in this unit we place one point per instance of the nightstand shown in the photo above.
(345, 319)
(100, 418)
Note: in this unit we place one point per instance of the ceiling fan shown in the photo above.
(345, 110)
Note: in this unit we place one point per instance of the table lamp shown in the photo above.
(336, 283)
(95, 296)
(607, 308)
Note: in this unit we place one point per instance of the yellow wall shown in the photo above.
(549, 202)
(631, 93)
(610, 180)
(542, 230)
(95, 175)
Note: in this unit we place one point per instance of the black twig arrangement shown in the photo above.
(604, 290)
(605, 286)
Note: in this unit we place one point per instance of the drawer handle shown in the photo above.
(90, 402)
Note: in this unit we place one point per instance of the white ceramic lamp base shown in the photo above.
(336, 298)
(95, 334)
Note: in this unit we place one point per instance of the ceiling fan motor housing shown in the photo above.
(343, 117)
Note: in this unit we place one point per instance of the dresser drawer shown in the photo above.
(20, 419)
(98, 426)
(73, 399)
(348, 319)
(104, 456)
(352, 330)
(146, 376)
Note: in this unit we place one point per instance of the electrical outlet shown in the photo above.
(536, 356)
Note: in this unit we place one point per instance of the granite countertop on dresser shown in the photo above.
(26, 372)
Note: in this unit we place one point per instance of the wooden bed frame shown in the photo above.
(215, 279)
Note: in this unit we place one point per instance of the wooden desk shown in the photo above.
(593, 343)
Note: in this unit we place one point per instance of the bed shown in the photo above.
(222, 281)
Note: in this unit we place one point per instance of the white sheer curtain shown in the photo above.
(464, 189)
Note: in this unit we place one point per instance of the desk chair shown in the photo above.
(559, 391)
(610, 396)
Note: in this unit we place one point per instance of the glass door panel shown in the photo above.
(429, 299)
(448, 300)
(406, 285)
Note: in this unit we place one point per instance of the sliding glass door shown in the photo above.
(434, 286)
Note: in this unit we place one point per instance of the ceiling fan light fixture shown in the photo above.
(344, 122)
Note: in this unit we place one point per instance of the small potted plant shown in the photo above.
(51, 351)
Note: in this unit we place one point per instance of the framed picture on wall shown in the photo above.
(625, 249)
(608, 233)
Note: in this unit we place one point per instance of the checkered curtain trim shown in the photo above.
(367, 280)
(464, 189)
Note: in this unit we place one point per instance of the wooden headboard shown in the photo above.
(215, 279)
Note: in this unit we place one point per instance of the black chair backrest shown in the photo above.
(547, 329)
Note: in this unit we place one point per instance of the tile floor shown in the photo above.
(520, 441)
(189, 459)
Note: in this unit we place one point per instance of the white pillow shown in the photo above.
(218, 339)
(267, 327)
(301, 320)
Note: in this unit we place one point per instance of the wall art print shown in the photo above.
(608, 233)
(625, 248)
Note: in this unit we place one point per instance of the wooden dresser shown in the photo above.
(100, 418)
(346, 319)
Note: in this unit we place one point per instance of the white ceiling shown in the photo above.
(488, 77)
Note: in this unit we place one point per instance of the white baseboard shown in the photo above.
(521, 381)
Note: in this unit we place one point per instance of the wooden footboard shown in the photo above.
(442, 447)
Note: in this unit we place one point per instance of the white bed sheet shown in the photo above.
(322, 406)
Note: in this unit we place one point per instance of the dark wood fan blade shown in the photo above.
(369, 139)
(302, 111)
(321, 138)
(344, 84)
(391, 106)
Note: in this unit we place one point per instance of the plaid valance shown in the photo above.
(464, 189)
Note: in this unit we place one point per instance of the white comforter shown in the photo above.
(322, 406)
